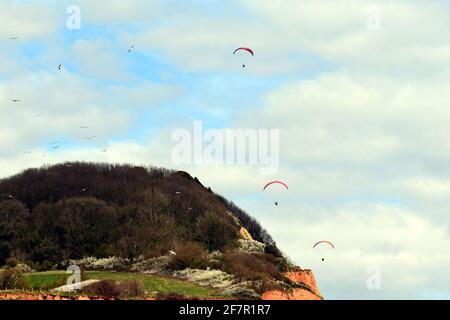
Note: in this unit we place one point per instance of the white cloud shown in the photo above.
(292, 37)
(409, 250)
(27, 21)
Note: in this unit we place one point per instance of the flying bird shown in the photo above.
(131, 49)
(276, 203)
(83, 127)
(60, 67)
(83, 190)
(15, 100)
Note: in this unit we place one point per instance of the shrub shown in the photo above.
(247, 266)
(92, 263)
(114, 289)
(131, 289)
(250, 246)
(273, 250)
(208, 278)
(189, 255)
(157, 264)
(216, 232)
(12, 262)
(11, 279)
(43, 266)
(104, 288)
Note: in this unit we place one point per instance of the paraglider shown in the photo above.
(244, 49)
(276, 182)
(324, 242)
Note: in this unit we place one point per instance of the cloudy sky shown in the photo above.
(360, 94)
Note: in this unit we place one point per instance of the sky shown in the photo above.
(359, 91)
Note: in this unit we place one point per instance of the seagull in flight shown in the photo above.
(83, 190)
(60, 67)
(15, 100)
(131, 49)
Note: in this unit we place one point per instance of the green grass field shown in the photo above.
(44, 281)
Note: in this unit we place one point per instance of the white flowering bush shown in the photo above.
(111, 263)
(251, 246)
(152, 265)
(211, 278)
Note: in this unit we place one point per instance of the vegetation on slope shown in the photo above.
(54, 215)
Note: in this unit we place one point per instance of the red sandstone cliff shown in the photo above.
(306, 290)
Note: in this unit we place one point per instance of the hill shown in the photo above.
(132, 218)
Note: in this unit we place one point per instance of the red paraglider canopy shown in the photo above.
(276, 182)
(245, 49)
(328, 242)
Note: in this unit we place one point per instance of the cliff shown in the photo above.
(306, 288)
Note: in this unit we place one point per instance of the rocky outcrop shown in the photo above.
(306, 288)
(304, 277)
(245, 234)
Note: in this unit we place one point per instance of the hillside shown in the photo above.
(132, 218)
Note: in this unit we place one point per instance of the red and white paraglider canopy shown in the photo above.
(244, 49)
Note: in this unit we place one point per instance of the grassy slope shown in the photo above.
(43, 281)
